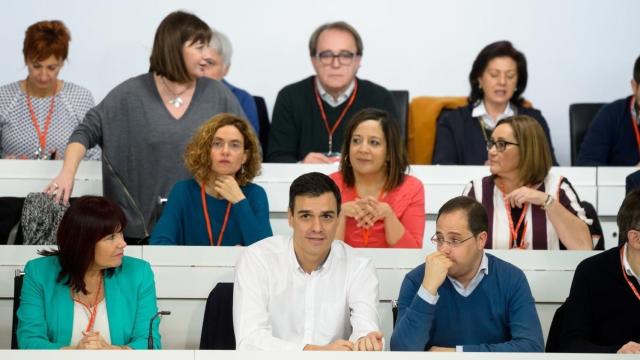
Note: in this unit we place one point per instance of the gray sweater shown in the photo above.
(143, 145)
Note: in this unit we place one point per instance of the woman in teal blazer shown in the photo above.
(88, 268)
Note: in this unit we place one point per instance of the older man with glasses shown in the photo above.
(462, 299)
(309, 117)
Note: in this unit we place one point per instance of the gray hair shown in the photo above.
(220, 43)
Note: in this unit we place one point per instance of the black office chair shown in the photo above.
(580, 117)
(556, 331)
(217, 324)
(10, 213)
(17, 290)
(401, 102)
(265, 125)
(394, 311)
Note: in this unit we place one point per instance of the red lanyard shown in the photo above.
(624, 274)
(331, 130)
(42, 135)
(514, 230)
(634, 123)
(92, 312)
(365, 232)
(206, 218)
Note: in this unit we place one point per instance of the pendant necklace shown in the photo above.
(176, 101)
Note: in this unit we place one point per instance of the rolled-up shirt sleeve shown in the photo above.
(364, 296)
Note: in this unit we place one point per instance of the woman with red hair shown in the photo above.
(39, 113)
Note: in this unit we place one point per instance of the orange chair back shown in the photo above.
(423, 115)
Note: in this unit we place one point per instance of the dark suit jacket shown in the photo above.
(633, 181)
(459, 139)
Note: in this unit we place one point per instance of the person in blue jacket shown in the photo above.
(613, 138)
(87, 294)
(219, 205)
(218, 58)
(462, 299)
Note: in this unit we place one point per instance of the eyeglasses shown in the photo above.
(439, 241)
(501, 145)
(234, 146)
(344, 57)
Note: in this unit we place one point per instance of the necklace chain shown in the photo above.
(176, 101)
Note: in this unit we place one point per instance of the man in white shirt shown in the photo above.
(307, 292)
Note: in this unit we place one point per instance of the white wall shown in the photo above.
(578, 50)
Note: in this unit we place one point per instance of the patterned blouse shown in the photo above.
(536, 232)
(18, 136)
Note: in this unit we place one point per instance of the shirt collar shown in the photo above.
(341, 98)
(484, 265)
(480, 110)
(627, 266)
(294, 259)
(483, 268)
(634, 109)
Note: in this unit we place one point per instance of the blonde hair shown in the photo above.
(197, 157)
(535, 155)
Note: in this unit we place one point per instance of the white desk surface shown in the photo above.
(549, 272)
(18, 178)
(302, 355)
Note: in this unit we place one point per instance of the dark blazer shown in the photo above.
(610, 140)
(633, 181)
(459, 139)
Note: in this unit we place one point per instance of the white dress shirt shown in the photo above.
(480, 111)
(278, 306)
(329, 99)
(81, 317)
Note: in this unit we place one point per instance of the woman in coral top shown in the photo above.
(381, 205)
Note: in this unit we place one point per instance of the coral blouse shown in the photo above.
(407, 202)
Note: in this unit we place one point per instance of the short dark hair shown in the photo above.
(88, 219)
(46, 38)
(490, 52)
(476, 214)
(313, 184)
(629, 215)
(636, 71)
(173, 32)
(397, 161)
(338, 25)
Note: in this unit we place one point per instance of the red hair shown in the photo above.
(46, 38)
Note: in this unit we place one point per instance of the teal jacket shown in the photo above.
(45, 315)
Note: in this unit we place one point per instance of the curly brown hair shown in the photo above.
(197, 157)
